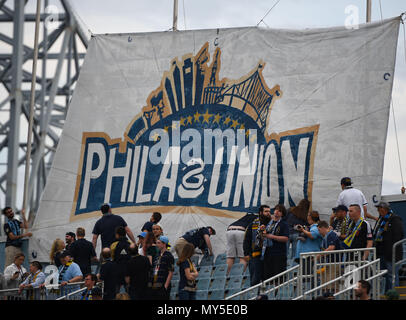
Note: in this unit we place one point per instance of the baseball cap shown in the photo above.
(71, 234)
(346, 181)
(213, 232)
(64, 254)
(142, 234)
(383, 204)
(105, 207)
(340, 207)
(164, 239)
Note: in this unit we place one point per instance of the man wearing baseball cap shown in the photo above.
(162, 271)
(340, 221)
(387, 231)
(141, 237)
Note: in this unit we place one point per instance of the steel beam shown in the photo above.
(50, 109)
(16, 102)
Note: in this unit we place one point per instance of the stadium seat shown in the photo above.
(230, 292)
(202, 294)
(205, 272)
(237, 269)
(203, 284)
(206, 261)
(176, 274)
(195, 260)
(246, 283)
(235, 282)
(94, 268)
(217, 294)
(220, 259)
(220, 271)
(218, 283)
(174, 285)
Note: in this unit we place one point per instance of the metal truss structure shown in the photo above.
(61, 49)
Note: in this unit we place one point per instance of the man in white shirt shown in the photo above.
(15, 273)
(351, 195)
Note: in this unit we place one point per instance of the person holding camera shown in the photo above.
(311, 242)
(296, 215)
(14, 274)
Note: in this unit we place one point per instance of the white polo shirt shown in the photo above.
(351, 196)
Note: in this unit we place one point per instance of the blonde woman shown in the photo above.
(57, 248)
(188, 273)
(157, 230)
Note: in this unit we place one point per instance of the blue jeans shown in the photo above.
(256, 269)
(292, 240)
(187, 295)
(385, 264)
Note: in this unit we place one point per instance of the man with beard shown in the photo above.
(361, 291)
(253, 244)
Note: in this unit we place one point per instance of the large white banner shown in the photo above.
(206, 125)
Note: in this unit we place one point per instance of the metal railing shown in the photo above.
(334, 273)
(49, 292)
(394, 263)
(280, 286)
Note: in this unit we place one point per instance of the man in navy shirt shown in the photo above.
(83, 252)
(199, 237)
(277, 236)
(13, 231)
(330, 242)
(106, 227)
(155, 218)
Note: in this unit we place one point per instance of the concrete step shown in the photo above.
(401, 290)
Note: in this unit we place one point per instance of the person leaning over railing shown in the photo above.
(69, 271)
(34, 279)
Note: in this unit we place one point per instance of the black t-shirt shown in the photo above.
(147, 226)
(196, 237)
(82, 252)
(57, 259)
(106, 227)
(108, 275)
(14, 226)
(138, 269)
(278, 248)
(183, 281)
(161, 268)
(119, 250)
(244, 221)
(361, 236)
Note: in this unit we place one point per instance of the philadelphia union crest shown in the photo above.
(200, 144)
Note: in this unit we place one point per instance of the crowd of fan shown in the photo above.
(143, 268)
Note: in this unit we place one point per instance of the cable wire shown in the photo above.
(262, 20)
(184, 13)
(397, 143)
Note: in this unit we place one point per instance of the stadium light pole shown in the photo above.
(175, 15)
(369, 6)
